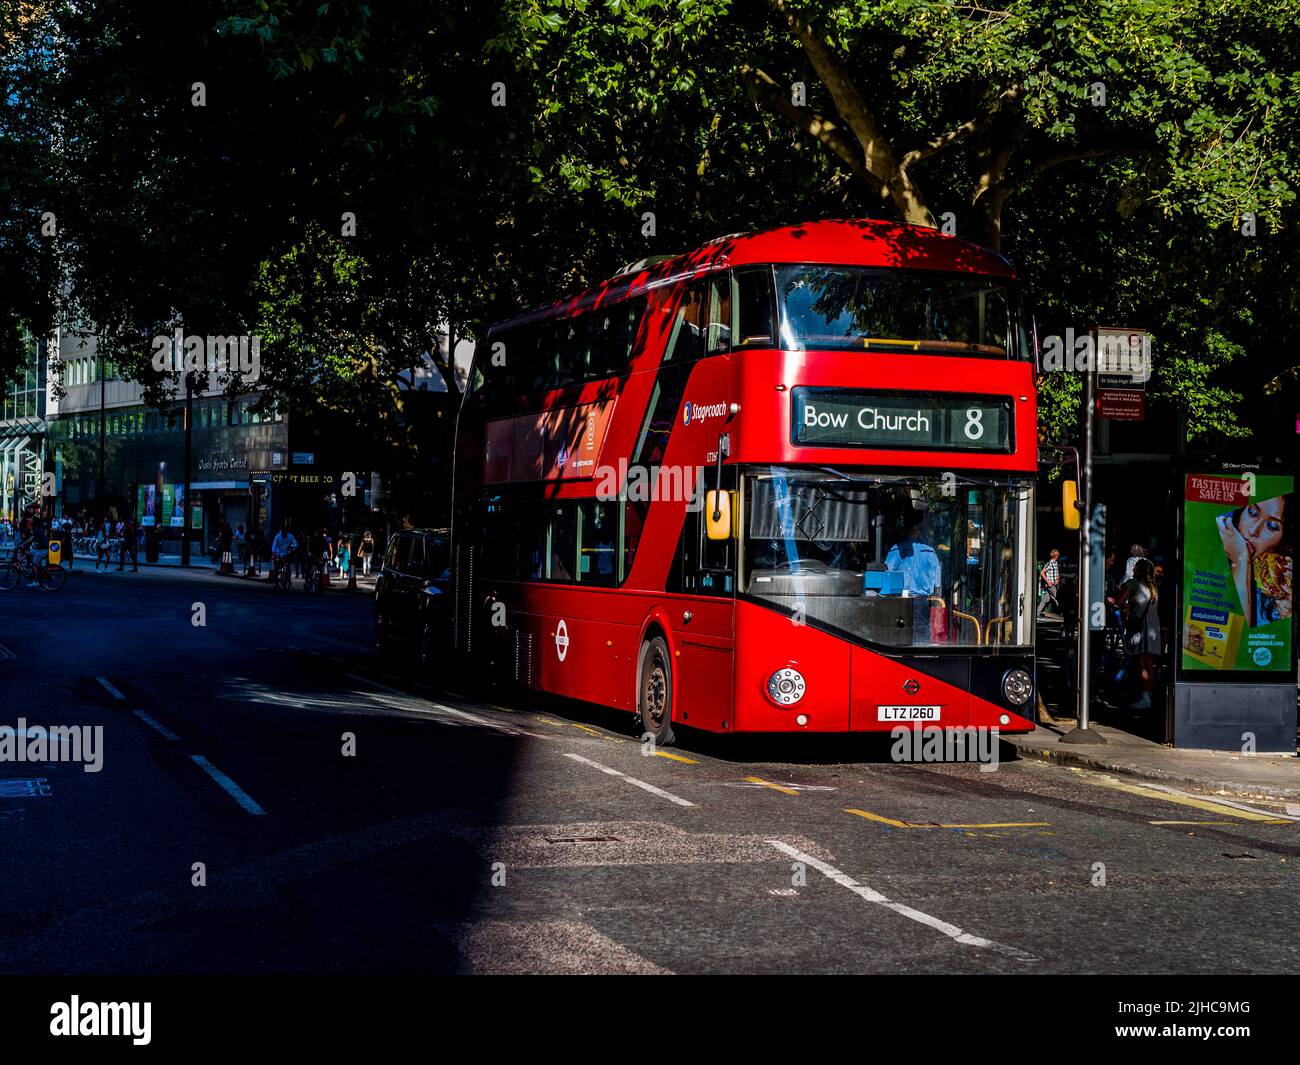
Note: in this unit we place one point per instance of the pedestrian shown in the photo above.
(1137, 551)
(1049, 580)
(131, 544)
(366, 552)
(101, 545)
(225, 540)
(345, 556)
(1139, 597)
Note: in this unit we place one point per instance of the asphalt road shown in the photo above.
(449, 835)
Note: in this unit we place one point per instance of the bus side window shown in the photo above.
(718, 332)
(610, 336)
(687, 339)
(563, 541)
(630, 536)
(751, 308)
(597, 535)
(714, 556)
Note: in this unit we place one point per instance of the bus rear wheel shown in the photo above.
(655, 692)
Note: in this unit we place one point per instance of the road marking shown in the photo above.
(229, 786)
(587, 728)
(1216, 806)
(631, 780)
(5, 653)
(156, 725)
(677, 757)
(111, 690)
(927, 824)
(871, 895)
(1193, 822)
(774, 787)
(37, 788)
(375, 683)
(486, 721)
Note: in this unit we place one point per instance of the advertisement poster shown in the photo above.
(1238, 536)
(147, 504)
(177, 516)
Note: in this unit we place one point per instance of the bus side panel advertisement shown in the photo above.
(1237, 572)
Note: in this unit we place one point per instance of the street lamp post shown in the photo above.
(189, 438)
(1083, 733)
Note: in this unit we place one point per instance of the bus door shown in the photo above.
(704, 618)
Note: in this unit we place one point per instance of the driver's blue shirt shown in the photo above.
(918, 563)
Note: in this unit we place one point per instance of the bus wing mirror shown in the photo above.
(1070, 504)
(717, 515)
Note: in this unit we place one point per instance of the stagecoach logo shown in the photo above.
(561, 639)
(701, 413)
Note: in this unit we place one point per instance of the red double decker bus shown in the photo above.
(782, 483)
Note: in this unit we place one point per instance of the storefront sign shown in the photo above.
(834, 417)
(1237, 572)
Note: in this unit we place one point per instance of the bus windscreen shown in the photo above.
(910, 561)
(845, 308)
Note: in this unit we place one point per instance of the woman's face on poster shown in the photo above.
(1263, 524)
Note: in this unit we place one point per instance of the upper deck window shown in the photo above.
(849, 308)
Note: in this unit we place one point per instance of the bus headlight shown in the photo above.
(785, 687)
(1017, 687)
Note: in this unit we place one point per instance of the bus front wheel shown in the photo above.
(655, 696)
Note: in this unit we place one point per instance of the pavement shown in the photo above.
(168, 564)
(1247, 776)
(273, 797)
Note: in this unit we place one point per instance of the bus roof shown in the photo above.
(835, 242)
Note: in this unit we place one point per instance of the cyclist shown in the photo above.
(282, 549)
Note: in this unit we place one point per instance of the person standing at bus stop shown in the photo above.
(1049, 581)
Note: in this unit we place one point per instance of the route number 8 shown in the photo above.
(974, 423)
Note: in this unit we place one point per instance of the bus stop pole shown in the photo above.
(1082, 733)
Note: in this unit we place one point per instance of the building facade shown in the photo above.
(23, 433)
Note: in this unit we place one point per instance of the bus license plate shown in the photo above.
(907, 713)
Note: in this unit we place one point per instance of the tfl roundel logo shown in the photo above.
(686, 413)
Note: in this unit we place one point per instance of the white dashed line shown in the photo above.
(871, 895)
(631, 780)
(111, 690)
(156, 725)
(229, 786)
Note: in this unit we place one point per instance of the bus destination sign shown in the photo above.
(917, 421)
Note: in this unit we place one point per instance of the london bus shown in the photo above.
(784, 483)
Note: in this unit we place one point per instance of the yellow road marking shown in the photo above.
(594, 732)
(769, 784)
(915, 824)
(677, 757)
(1191, 822)
(876, 817)
(1188, 800)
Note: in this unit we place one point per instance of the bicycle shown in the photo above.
(21, 564)
(283, 573)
